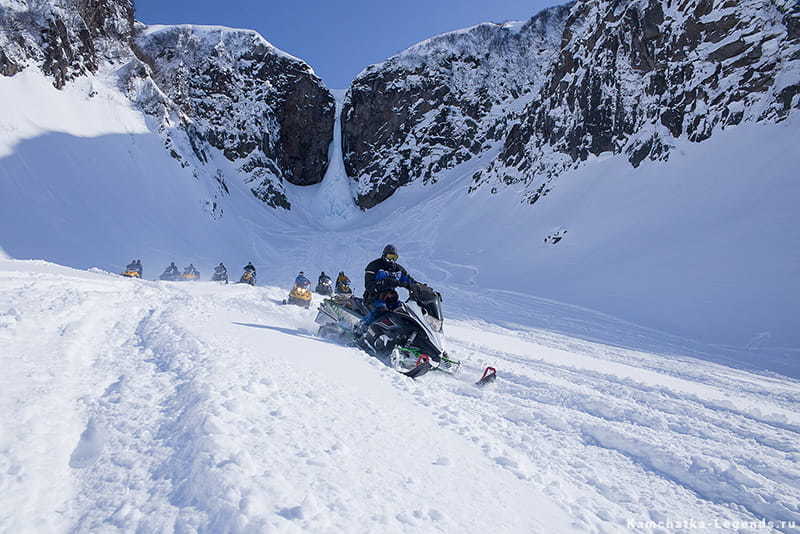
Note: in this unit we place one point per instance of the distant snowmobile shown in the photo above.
(249, 275)
(171, 273)
(299, 296)
(190, 273)
(220, 274)
(133, 270)
(324, 285)
(407, 338)
(343, 284)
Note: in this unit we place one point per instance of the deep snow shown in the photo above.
(150, 406)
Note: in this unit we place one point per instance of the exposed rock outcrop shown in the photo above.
(633, 76)
(65, 39)
(208, 88)
(589, 78)
(443, 101)
(263, 109)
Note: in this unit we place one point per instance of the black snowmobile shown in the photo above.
(407, 338)
(325, 286)
(170, 274)
(220, 274)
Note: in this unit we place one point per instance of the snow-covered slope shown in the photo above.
(148, 406)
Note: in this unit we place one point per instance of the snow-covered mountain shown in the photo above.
(605, 196)
(443, 101)
(208, 91)
(66, 38)
(587, 79)
(633, 77)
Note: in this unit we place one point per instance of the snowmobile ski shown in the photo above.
(489, 376)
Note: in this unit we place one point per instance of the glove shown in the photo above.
(386, 280)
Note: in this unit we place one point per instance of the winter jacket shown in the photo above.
(382, 275)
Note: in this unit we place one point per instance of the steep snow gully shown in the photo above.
(151, 406)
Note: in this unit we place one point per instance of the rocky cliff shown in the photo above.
(443, 101)
(523, 102)
(633, 76)
(208, 90)
(265, 110)
(66, 39)
(596, 77)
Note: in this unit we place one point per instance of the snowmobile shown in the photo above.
(219, 276)
(407, 338)
(344, 289)
(325, 287)
(299, 296)
(190, 274)
(343, 285)
(248, 277)
(131, 273)
(170, 274)
(133, 269)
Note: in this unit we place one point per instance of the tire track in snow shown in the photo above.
(605, 411)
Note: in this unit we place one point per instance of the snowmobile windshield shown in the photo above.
(433, 315)
(430, 303)
(414, 310)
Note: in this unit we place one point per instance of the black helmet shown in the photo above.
(390, 252)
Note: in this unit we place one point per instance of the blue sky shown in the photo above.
(339, 38)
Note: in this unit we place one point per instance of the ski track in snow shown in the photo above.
(148, 406)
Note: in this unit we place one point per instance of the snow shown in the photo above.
(149, 406)
(211, 35)
(643, 323)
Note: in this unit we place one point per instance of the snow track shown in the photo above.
(143, 406)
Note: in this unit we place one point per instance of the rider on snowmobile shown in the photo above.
(381, 276)
(343, 283)
(190, 269)
(172, 269)
(220, 272)
(302, 281)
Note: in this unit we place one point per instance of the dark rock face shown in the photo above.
(621, 77)
(442, 102)
(65, 41)
(264, 110)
